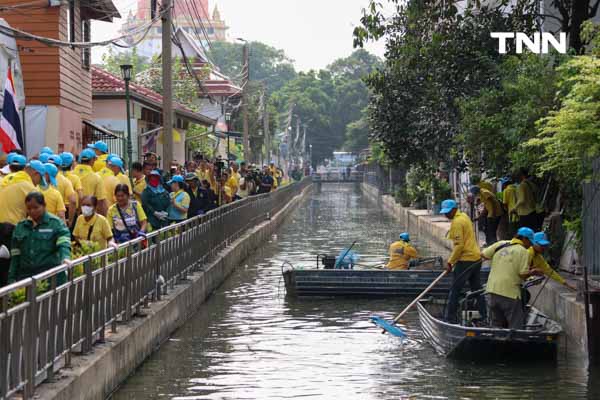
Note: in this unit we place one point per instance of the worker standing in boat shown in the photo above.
(464, 261)
(537, 261)
(401, 252)
(510, 267)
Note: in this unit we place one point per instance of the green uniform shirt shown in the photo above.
(35, 249)
(508, 264)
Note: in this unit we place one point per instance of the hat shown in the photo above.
(117, 162)
(17, 159)
(67, 159)
(405, 236)
(38, 167)
(100, 146)
(176, 178)
(56, 160)
(44, 157)
(541, 239)
(46, 150)
(111, 156)
(87, 155)
(526, 233)
(475, 190)
(447, 206)
(190, 176)
(155, 172)
(52, 171)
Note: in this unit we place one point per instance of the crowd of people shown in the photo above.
(55, 202)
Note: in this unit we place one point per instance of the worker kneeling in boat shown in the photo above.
(401, 252)
(537, 261)
(510, 267)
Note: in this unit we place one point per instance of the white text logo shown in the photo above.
(539, 45)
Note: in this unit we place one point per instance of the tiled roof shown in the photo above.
(103, 82)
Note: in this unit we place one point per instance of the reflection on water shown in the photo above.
(251, 342)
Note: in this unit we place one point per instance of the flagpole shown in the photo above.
(24, 131)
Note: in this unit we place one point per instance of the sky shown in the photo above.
(313, 33)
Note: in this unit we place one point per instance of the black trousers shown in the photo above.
(6, 231)
(491, 228)
(463, 272)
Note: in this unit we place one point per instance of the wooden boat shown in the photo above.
(368, 283)
(538, 340)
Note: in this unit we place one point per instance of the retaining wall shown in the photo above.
(556, 301)
(98, 374)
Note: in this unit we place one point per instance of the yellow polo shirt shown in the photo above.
(138, 187)
(100, 230)
(537, 261)
(54, 201)
(91, 182)
(401, 253)
(75, 182)
(12, 198)
(124, 179)
(509, 197)
(491, 203)
(526, 194)
(507, 266)
(110, 182)
(462, 234)
(100, 162)
(65, 187)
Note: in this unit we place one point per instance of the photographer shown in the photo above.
(266, 182)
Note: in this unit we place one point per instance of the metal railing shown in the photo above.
(39, 335)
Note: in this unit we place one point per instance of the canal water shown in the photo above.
(249, 341)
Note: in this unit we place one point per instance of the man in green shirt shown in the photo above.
(510, 266)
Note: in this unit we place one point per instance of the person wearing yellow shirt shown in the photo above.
(510, 267)
(139, 180)
(65, 188)
(16, 162)
(111, 178)
(464, 261)
(91, 182)
(101, 150)
(54, 201)
(486, 185)
(509, 200)
(275, 175)
(232, 184)
(493, 212)
(91, 226)
(126, 217)
(401, 252)
(538, 262)
(526, 206)
(67, 170)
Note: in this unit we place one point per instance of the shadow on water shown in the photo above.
(249, 341)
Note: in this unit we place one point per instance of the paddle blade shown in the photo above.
(388, 326)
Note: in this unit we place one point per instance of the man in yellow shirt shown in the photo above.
(110, 178)
(91, 182)
(464, 261)
(526, 204)
(274, 174)
(509, 200)
(101, 150)
(12, 197)
(537, 261)
(139, 180)
(67, 170)
(493, 212)
(510, 267)
(65, 188)
(54, 201)
(401, 252)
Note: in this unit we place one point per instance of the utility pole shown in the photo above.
(266, 127)
(167, 95)
(246, 63)
(296, 143)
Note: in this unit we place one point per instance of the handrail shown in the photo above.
(115, 283)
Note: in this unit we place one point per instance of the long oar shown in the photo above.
(391, 326)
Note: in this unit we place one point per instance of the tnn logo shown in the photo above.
(539, 44)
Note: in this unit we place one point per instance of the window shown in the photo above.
(86, 36)
(71, 21)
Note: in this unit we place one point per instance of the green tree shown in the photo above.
(112, 61)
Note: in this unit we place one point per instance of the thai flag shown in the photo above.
(11, 136)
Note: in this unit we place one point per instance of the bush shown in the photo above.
(401, 196)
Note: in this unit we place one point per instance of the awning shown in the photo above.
(103, 131)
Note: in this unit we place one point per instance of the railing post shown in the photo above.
(127, 293)
(30, 345)
(87, 306)
(157, 283)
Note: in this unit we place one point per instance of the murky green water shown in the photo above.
(250, 342)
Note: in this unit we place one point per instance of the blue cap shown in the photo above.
(46, 150)
(100, 146)
(447, 206)
(405, 236)
(16, 159)
(38, 167)
(176, 178)
(526, 233)
(44, 157)
(52, 171)
(117, 162)
(67, 159)
(56, 160)
(86, 155)
(475, 190)
(111, 156)
(541, 239)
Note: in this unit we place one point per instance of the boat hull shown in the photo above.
(365, 283)
(488, 344)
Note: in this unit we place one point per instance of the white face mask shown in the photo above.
(87, 211)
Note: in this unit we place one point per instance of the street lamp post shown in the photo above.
(227, 119)
(126, 73)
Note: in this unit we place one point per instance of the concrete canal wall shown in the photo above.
(98, 374)
(554, 300)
